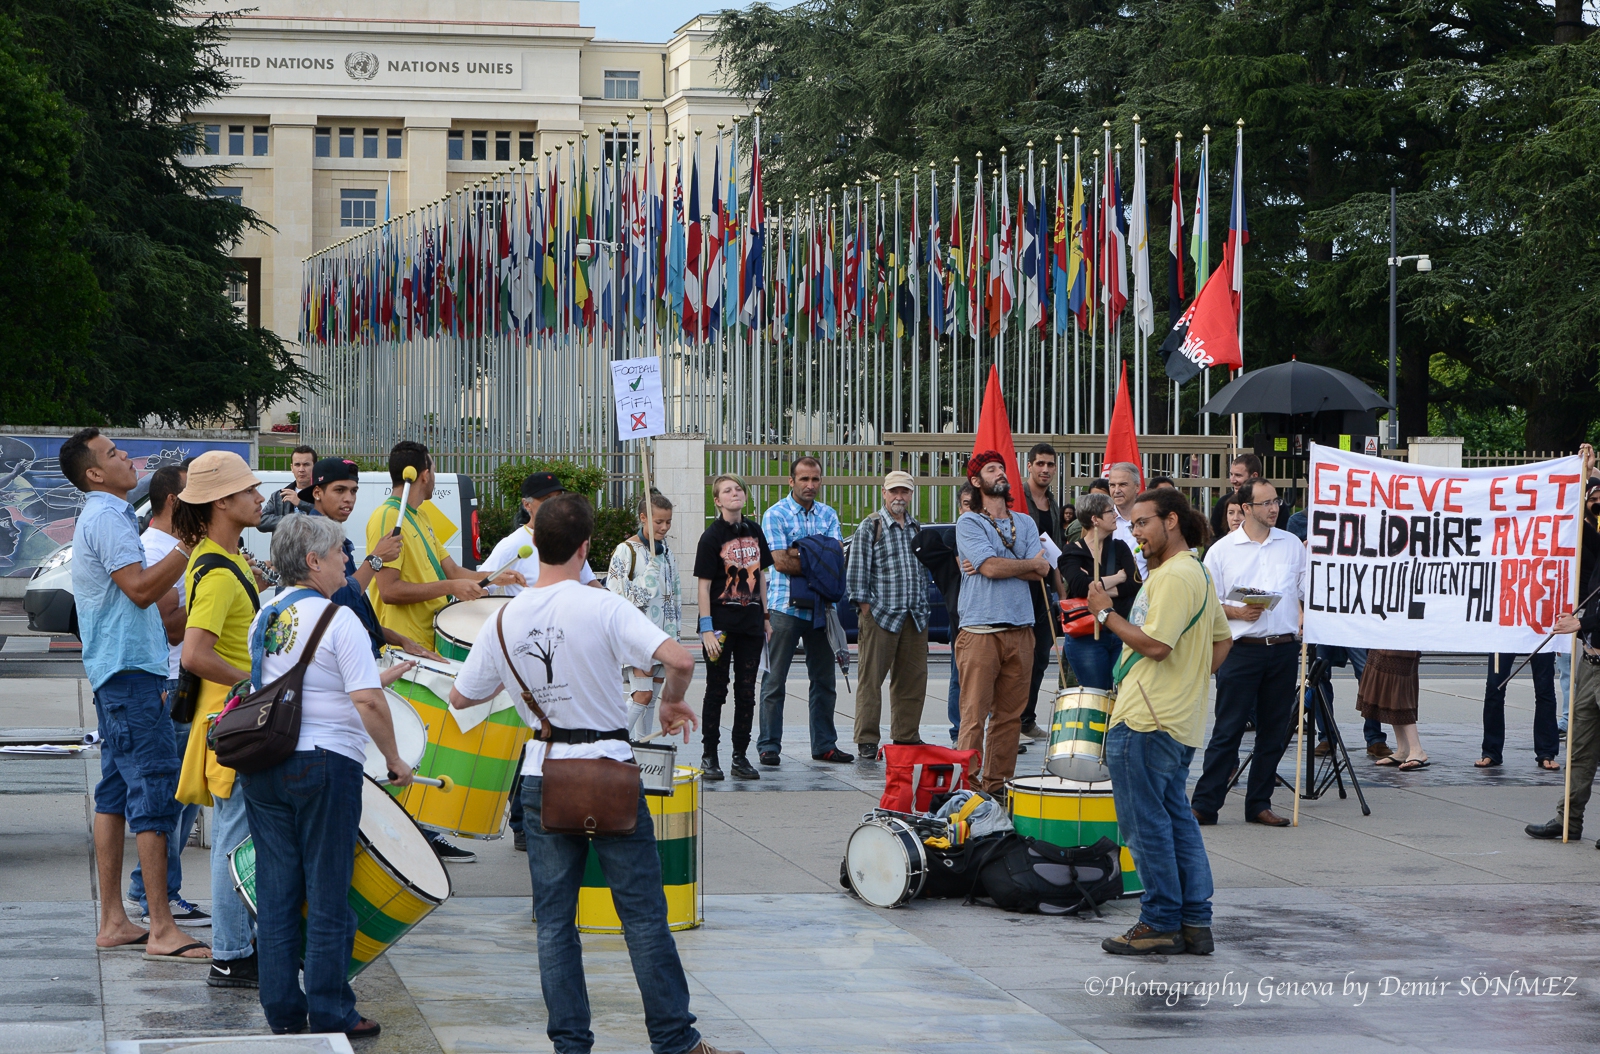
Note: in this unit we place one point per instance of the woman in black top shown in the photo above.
(1092, 660)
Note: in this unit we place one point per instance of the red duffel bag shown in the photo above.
(915, 773)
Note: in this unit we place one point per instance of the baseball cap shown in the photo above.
(541, 485)
(898, 478)
(217, 474)
(330, 470)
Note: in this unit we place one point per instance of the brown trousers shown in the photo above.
(995, 671)
(903, 657)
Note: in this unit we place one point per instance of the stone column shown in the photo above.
(679, 472)
(293, 214)
(1439, 451)
(426, 143)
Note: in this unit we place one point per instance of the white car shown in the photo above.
(49, 603)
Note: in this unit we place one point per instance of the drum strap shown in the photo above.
(547, 732)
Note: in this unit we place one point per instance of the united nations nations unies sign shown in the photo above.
(376, 64)
(1415, 558)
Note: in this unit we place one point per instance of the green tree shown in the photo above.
(168, 342)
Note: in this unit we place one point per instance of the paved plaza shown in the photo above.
(1434, 924)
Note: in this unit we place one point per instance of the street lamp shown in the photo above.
(1424, 265)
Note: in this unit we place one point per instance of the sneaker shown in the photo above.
(769, 758)
(234, 973)
(364, 1029)
(519, 841)
(710, 771)
(1197, 940)
(835, 755)
(188, 915)
(742, 769)
(1142, 940)
(1033, 731)
(705, 1048)
(452, 854)
(867, 751)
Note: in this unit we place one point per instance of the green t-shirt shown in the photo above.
(221, 605)
(1165, 609)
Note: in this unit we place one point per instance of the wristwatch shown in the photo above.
(375, 562)
(1101, 615)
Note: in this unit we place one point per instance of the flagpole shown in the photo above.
(1238, 266)
(1202, 260)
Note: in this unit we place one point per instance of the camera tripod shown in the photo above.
(1325, 771)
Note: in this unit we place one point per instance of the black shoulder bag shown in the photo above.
(186, 697)
(260, 730)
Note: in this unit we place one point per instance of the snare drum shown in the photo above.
(479, 748)
(458, 624)
(410, 739)
(658, 766)
(677, 824)
(885, 862)
(1070, 813)
(397, 882)
(1077, 747)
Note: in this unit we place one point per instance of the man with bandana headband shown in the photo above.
(890, 590)
(1001, 559)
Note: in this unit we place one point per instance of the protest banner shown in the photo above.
(1418, 558)
(636, 390)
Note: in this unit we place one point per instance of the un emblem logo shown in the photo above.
(361, 65)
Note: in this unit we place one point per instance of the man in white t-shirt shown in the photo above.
(536, 490)
(568, 643)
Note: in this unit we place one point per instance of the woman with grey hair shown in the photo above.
(1097, 556)
(304, 811)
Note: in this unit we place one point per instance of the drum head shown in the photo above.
(410, 736)
(1050, 785)
(880, 870)
(390, 835)
(1080, 693)
(463, 620)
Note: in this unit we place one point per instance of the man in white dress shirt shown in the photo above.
(1123, 481)
(537, 489)
(1260, 671)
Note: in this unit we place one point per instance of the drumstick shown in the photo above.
(522, 554)
(405, 495)
(444, 782)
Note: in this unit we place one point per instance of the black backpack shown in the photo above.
(1035, 877)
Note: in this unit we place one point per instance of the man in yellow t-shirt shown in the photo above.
(217, 503)
(1173, 640)
(408, 591)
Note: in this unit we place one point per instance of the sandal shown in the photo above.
(1485, 763)
(1548, 764)
(177, 956)
(1388, 761)
(1413, 764)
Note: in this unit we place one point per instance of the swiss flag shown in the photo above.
(994, 433)
(1122, 442)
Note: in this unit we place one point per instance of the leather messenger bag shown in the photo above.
(583, 796)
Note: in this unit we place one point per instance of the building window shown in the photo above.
(616, 146)
(358, 208)
(258, 141)
(480, 146)
(622, 84)
(394, 142)
(236, 140)
(492, 200)
(453, 146)
(502, 146)
(525, 146)
(213, 139)
(347, 142)
(369, 142)
(324, 142)
(233, 194)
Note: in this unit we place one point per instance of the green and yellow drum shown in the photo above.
(479, 748)
(458, 624)
(1077, 747)
(397, 882)
(1070, 813)
(677, 823)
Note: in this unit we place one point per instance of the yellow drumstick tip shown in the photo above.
(446, 784)
(525, 552)
(409, 475)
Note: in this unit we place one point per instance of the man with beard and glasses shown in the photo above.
(890, 590)
(1001, 559)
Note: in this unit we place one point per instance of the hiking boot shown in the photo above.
(742, 769)
(710, 770)
(1197, 940)
(867, 751)
(1142, 940)
(1553, 830)
(1380, 749)
(234, 973)
(1324, 748)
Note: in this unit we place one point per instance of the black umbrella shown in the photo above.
(1294, 388)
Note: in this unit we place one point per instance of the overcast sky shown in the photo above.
(653, 20)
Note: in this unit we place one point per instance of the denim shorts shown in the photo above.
(139, 760)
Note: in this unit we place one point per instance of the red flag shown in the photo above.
(1122, 442)
(994, 433)
(1207, 334)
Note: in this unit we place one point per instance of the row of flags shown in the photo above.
(573, 249)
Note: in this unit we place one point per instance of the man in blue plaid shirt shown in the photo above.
(798, 516)
(889, 587)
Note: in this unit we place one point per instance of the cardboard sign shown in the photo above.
(636, 388)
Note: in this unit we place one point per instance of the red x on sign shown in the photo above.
(638, 421)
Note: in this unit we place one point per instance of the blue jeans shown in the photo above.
(787, 633)
(1546, 737)
(176, 840)
(953, 707)
(1371, 731)
(1563, 675)
(232, 930)
(138, 761)
(632, 868)
(1092, 660)
(304, 814)
(1149, 771)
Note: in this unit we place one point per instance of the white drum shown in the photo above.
(410, 737)
(885, 862)
(657, 763)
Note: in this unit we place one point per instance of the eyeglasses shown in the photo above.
(1141, 521)
(1271, 503)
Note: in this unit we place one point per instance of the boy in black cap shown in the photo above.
(536, 490)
